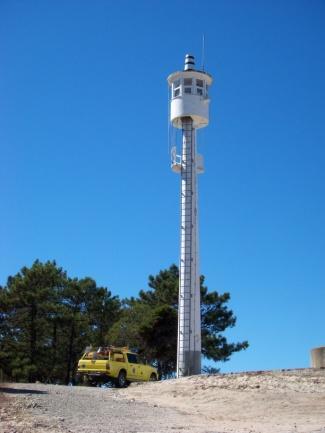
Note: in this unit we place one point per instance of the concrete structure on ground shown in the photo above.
(318, 357)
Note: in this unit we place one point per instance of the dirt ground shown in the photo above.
(257, 402)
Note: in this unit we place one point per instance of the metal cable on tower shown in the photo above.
(189, 111)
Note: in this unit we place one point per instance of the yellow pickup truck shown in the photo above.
(117, 364)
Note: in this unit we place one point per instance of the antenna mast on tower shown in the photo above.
(189, 111)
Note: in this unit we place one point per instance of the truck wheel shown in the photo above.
(81, 380)
(92, 382)
(121, 380)
(78, 379)
(153, 377)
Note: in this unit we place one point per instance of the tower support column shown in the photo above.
(189, 318)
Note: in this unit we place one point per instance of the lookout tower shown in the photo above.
(189, 111)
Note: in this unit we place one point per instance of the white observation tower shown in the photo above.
(189, 111)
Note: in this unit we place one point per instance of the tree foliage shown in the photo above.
(48, 318)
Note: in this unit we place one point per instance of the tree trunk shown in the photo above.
(70, 354)
(54, 351)
(33, 339)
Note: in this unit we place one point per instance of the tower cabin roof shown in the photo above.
(191, 73)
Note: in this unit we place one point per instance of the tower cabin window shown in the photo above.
(188, 90)
(176, 88)
(177, 83)
(177, 92)
(199, 87)
(187, 81)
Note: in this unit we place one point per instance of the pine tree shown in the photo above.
(47, 319)
(26, 304)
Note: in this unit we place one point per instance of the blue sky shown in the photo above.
(85, 176)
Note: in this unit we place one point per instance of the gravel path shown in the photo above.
(60, 409)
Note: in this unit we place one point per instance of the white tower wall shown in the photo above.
(189, 323)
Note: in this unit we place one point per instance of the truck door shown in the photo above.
(133, 367)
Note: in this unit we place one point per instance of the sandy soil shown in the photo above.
(260, 402)
(265, 402)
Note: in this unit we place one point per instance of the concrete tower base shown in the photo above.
(192, 362)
